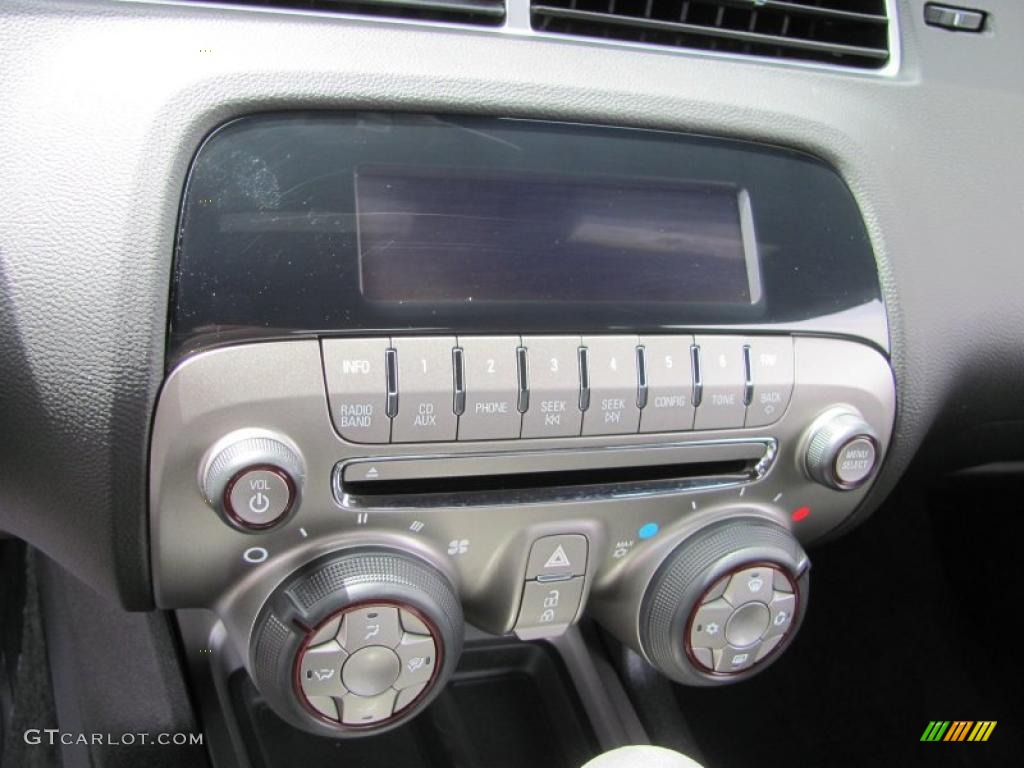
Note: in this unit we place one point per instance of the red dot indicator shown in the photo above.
(800, 513)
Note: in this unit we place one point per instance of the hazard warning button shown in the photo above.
(558, 557)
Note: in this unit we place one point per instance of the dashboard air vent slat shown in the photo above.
(852, 33)
(489, 12)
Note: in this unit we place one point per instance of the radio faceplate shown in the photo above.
(278, 389)
(428, 370)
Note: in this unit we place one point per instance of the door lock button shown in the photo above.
(548, 608)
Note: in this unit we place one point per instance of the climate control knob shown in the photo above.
(357, 642)
(252, 479)
(725, 602)
(842, 450)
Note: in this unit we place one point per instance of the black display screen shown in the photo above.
(375, 224)
(453, 235)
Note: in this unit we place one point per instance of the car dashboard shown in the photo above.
(353, 354)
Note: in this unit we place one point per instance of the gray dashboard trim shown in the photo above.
(105, 103)
(518, 22)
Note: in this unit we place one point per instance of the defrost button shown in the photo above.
(750, 584)
(731, 659)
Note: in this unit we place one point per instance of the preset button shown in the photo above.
(613, 386)
(553, 375)
(723, 377)
(425, 390)
(492, 388)
(669, 405)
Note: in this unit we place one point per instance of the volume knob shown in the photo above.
(842, 450)
(253, 481)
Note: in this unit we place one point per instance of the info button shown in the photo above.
(357, 388)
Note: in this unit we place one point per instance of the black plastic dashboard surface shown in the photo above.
(268, 241)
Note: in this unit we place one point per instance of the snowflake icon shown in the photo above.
(711, 629)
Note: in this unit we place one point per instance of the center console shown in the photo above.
(429, 372)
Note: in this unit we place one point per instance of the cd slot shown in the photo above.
(530, 477)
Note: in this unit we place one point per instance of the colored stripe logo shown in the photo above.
(958, 730)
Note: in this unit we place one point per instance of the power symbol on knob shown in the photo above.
(259, 503)
(259, 496)
(253, 481)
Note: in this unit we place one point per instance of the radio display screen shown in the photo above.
(454, 235)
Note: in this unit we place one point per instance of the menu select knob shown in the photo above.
(842, 450)
(253, 481)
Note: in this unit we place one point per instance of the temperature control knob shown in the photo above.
(842, 450)
(725, 602)
(357, 642)
(253, 481)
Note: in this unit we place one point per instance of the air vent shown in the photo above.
(851, 33)
(489, 12)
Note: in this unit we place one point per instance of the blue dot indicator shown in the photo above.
(647, 530)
